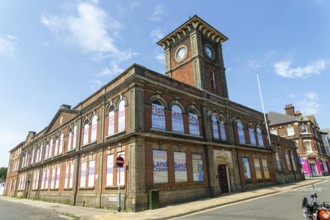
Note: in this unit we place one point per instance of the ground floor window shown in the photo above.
(246, 168)
(180, 167)
(197, 164)
(109, 179)
(160, 168)
(257, 168)
(265, 168)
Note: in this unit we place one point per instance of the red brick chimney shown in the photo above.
(297, 114)
(289, 109)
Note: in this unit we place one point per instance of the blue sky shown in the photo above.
(60, 52)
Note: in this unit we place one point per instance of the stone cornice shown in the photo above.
(194, 23)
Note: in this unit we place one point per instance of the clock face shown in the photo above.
(209, 51)
(181, 53)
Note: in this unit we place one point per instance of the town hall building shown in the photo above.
(179, 135)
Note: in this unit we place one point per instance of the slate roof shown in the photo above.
(276, 118)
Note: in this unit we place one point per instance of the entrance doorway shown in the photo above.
(313, 168)
(222, 178)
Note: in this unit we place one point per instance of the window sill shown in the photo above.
(176, 133)
(114, 187)
(86, 188)
(71, 150)
(89, 144)
(55, 189)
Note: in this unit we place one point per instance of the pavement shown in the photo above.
(168, 212)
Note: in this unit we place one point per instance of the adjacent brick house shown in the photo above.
(305, 132)
(179, 134)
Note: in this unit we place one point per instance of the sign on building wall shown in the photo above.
(160, 169)
(71, 175)
(265, 167)
(109, 181)
(246, 167)
(111, 125)
(180, 167)
(193, 124)
(83, 175)
(66, 179)
(197, 164)
(121, 116)
(57, 178)
(222, 130)
(94, 128)
(158, 116)
(91, 172)
(257, 168)
(177, 119)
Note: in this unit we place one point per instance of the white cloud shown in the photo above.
(8, 45)
(112, 71)
(254, 64)
(87, 29)
(284, 69)
(157, 13)
(157, 34)
(308, 103)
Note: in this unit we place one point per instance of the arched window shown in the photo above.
(158, 115)
(121, 116)
(241, 136)
(70, 138)
(177, 119)
(94, 128)
(74, 141)
(260, 138)
(215, 127)
(56, 145)
(50, 148)
(222, 129)
(193, 123)
(47, 151)
(111, 124)
(61, 143)
(252, 135)
(86, 131)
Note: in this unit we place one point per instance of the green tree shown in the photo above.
(3, 173)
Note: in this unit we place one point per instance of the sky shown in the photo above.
(60, 52)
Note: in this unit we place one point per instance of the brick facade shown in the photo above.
(154, 121)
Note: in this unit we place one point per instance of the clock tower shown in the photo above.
(193, 55)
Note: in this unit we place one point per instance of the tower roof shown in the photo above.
(193, 23)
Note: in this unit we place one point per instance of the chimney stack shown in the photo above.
(289, 109)
(297, 114)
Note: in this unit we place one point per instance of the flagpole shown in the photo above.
(263, 110)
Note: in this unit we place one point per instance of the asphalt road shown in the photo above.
(16, 211)
(282, 206)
